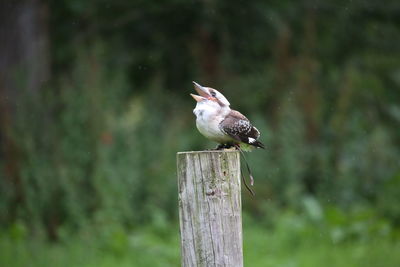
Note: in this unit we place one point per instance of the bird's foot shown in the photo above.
(228, 146)
(220, 147)
(224, 146)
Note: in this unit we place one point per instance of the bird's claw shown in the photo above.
(224, 146)
(220, 147)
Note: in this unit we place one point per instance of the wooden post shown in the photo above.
(210, 208)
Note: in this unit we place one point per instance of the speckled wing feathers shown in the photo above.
(239, 128)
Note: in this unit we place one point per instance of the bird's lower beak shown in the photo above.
(198, 98)
(201, 90)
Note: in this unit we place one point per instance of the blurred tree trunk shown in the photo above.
(209, 55)
(24, 67)
(310, 99)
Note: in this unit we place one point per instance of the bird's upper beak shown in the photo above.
(202, 91)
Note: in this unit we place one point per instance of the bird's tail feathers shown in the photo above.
(258, 144)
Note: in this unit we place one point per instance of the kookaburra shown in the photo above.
(219, 123)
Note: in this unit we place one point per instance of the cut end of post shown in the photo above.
(207, 151)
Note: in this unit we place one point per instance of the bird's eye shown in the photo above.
(213, 94)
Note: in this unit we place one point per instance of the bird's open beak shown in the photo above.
(198, 98)
(202, 91)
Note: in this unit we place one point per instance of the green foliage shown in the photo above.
(387, 202)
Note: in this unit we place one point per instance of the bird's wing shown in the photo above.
(237, 126)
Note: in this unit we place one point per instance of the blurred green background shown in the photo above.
(94, 105)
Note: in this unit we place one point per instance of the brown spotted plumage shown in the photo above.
(237, 126)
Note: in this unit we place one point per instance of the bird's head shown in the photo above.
(209, 94)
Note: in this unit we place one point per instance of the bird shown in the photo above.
(218, 122)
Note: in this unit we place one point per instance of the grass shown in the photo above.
(290, 246)
(264, 248)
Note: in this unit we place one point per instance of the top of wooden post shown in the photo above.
(207, 151)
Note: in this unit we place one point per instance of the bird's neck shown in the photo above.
(209, 110)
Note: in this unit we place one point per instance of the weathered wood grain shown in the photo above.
(210, 208)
